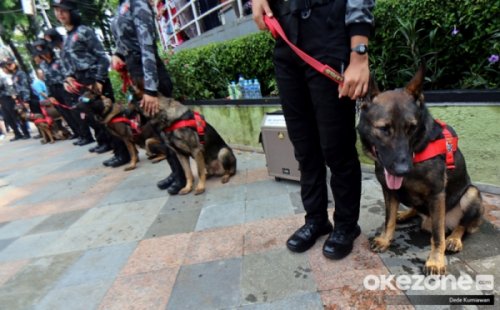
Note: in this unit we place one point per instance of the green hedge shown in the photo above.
(406, 31)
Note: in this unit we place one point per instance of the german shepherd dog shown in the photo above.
(50, 126)
(212, 156)
(110, 113)
(394, 126)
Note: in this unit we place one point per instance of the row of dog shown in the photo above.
(181, 129)
(417, 160)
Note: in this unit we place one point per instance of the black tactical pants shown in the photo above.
(11, 118)
(320, 125)
(57, 91)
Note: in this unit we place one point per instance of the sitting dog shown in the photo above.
(49, 125)
(418, 163)
(117, 120)
(191, 136)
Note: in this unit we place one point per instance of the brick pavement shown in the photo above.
(77, 235)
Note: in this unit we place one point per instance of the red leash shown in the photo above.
(326, 70)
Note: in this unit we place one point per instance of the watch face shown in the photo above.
(361, 49)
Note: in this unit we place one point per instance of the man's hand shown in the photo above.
(356, 78)
(261, 8)
(150, 105)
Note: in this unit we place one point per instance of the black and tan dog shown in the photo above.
(191, 136)
(49, 125)
(131, 131)
(418, 163)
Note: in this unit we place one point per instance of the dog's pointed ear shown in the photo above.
(416, 84)
(372, 87)
(371, 93)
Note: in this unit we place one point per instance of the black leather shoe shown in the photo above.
(16, 138)
(108, 162)
(26, 137)
(339, 243)
(305, 237)
(176, 187)
(77, 142)
(103, 149)
(120, 161)
(74, 136)
(165, 183)
(85, 142)
(92, 149)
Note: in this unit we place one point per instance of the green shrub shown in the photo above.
(204, 72)
(406, 32)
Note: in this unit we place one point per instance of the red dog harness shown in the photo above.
(47, 119)
(133, 123)
(197, 123)
(448, 146)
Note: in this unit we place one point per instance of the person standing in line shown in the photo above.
(21, 96)
(134, 32)
(54, 79)
(320, 116)
(87, 64)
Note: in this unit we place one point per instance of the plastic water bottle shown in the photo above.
(258, 92)
(241, 86)
(231, 89)
(237, 90)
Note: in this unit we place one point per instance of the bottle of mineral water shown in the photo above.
(256, 86)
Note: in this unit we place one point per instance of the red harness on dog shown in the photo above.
(133, 123)
(197, 123)
(448, 145)
(47, 119)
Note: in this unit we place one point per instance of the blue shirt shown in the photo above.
(39, 87)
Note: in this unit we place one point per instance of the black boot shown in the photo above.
(178, 172)
(165, 183)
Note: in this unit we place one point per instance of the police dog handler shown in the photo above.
(319, 114)
(87, 64)
(134, 32)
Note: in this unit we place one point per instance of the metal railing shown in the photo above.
(198, 17)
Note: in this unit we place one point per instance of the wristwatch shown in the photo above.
(361, 49)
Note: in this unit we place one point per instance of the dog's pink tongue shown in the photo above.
(393, 182)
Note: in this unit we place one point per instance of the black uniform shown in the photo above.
(321, 126)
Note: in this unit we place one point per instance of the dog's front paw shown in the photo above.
(225, 179)
(131, 167)
(454, 244)
(380, 244)
(435, 267)
(199, 190)
(185, 190)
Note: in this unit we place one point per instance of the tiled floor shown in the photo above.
(77, 235)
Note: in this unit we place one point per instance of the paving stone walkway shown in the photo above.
(77, 235)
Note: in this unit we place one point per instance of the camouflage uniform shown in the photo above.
(135, 35)
(84, 56)
(8, 105)
(21, 86)
(84, 59)
(54, 79)
(321, 126)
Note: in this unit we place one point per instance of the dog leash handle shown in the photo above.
(326, 70)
